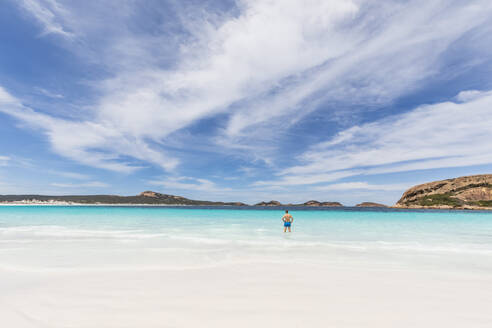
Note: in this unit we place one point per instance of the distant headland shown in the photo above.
(144, 198)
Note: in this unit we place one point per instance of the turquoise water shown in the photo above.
(413, 230)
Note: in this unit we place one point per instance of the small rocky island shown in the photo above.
(313, 203)
(326, 204)
(370, 204)
(469, 192)
(270, 203)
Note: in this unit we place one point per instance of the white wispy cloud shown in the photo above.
(363, 186)
(306, 179)
(50, 94)
(91, 184)
(72, 175)
(265, 66)
(4, 160)
(468, 95)
(189, 184)
(6, 99)
(90, 143)
(434, 136)
(49, 13)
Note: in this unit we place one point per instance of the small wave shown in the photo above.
(66, 233)
(273, 242)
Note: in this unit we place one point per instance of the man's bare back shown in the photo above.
(287, 219)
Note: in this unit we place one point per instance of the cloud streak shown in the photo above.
(4, 160)
(49, 14)
(91, 184)
(89, 143)
(362, 186)
(189, 183)
(72, 175)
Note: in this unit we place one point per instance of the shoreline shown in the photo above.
(402, 208)
(444, 207)
(101, 204)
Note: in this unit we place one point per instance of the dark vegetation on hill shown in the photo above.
(370, 204)
(146, 197)
(465, 192)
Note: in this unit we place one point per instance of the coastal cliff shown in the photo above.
(469, 192)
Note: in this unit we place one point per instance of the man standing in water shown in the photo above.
(287, 219)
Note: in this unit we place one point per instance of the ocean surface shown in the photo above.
(98, 251)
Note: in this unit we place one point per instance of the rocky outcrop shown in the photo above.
(316, 203)
(154, 194)
(237, 204)
(270, 203)
(149, 194)
(313, 203)
(370, 204)
(470, 192)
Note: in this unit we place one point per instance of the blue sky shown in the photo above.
(245, 100)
